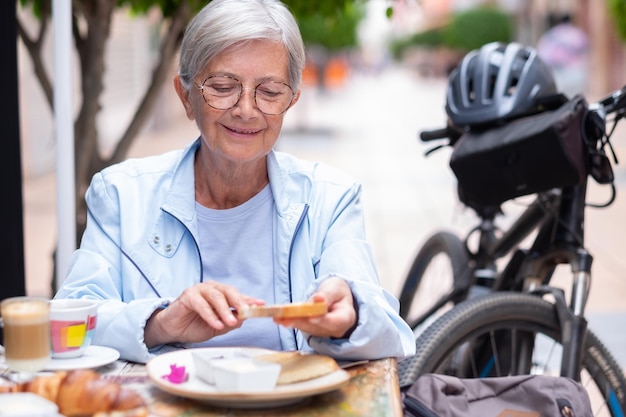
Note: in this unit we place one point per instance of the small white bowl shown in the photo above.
(245, 374)
(203, 360)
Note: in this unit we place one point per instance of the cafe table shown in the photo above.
(371, 391)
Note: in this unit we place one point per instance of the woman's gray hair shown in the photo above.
(224, 23)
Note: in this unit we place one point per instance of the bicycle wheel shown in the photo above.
(438, 279)
(487, 336)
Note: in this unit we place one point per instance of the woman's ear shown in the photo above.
(183, 95)
(295, 98)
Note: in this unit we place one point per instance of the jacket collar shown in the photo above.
(287, 193)
(180, 200)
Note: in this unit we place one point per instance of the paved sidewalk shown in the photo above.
(369, 128)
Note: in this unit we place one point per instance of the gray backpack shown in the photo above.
(434, 395)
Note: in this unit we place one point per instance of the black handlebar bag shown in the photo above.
(525, 156)
(435, 395)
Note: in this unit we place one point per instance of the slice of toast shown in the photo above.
(293, 310)
(298, 367)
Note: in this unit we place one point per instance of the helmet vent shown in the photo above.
(491, 86)
(512, 88)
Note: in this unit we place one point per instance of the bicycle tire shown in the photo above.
(447, 338)
(444, 258)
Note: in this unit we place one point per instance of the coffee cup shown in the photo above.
(26, 333)
(72, 323)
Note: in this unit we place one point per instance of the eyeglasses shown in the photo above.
(223, 92)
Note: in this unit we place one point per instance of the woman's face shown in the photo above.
(242, 133)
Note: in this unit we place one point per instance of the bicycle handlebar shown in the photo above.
(449, 132)
(613, 103)
(428, 135)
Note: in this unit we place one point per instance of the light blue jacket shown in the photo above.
(139, 252)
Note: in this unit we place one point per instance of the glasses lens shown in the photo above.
(273, 97)
(221, 92)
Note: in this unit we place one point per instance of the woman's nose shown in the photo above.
(247, 100)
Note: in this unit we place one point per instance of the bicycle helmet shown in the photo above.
(497, 82)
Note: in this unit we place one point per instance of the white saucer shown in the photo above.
(93, 357)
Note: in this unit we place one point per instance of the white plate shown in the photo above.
(197, 389)
(93, 357)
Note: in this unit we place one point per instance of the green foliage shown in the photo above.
(432, 37)
(298, 7)
(335, 29)
(37, 6)
(389, 12)
(168, 7)
(429, 39)
(466, 31)
(617, 10)
(304, 8)
(477, 26)
(330, 23)
(138, 7)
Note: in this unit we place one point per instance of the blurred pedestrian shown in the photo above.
(565, 48)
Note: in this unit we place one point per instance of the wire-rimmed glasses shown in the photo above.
(223, 92)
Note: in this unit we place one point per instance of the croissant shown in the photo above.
(82, 393)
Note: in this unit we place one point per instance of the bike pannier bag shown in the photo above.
(525, 156)
(434, 395)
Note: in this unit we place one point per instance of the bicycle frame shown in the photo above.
(558, 218)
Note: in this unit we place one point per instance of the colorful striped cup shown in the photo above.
(72, 323)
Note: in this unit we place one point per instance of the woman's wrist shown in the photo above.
(153, 332)
(349, 332)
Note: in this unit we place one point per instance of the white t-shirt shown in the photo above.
(236, 249)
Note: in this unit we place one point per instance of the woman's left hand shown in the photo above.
(341, 316)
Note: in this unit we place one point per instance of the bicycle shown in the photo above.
(520, 324)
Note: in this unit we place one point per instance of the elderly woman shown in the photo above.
(176, 243)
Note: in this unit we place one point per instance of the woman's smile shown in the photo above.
(242, 131)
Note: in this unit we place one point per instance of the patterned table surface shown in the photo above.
(372, 391)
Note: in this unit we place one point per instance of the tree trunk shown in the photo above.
(91, 29)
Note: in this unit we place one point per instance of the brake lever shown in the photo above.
(436, 148)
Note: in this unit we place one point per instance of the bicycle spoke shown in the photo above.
(474, 366)
(494, 350)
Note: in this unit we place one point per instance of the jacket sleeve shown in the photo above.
(96, 272)
(380, 331)
(345, 253)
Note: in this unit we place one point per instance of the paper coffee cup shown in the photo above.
(72, 323)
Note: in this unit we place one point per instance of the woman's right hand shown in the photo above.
(201, 312)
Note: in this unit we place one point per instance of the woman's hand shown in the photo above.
(341, 317)
(201, 312)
